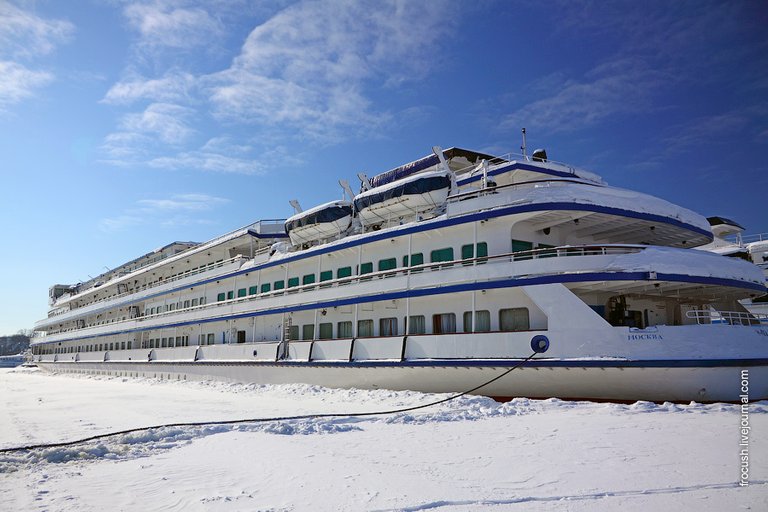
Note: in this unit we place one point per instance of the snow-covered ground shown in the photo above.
(467, 454)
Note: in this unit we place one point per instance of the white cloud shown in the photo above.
(614, 87)
(176, 210)
(164, 120)
(173, 87)
(309, 68)
(18, 82)
(167, 24)
(23, 34)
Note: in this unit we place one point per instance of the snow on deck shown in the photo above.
(468, 454)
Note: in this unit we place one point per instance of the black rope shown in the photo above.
(264, 420)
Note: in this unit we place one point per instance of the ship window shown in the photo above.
(186, 303)
(253, 290)
(220, 297)
(293, 332)
(202, 300)
(416, 324)
(416, 260)
(194, 302)
(443, 323)
(344, 329)
(279, 285)
(366, 268)
(308, 279)
(308, 332)
(326, 331)
(468, 252)
(201, 339)
(164, 343)
(265, 287)
(122, 345)
(387, 264)
(364, 328)
(441, 255)
(483, 318)
(172, 306)
(520, 246)
(343, 272)
(211, 339)
(242, 292)
(388, 327)
(293, 281)
(326, 275)
(241, 336)
(514, 319)
(230, 294)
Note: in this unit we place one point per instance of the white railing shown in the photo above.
(554, 252)
(727, 317)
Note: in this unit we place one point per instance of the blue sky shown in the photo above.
(127, 125)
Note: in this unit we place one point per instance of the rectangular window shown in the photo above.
(164, 343)
(344, 329)
(242, 292)
(514, 319)
(417, 324)
(521, 246)
(326, 331)
(387, 264)
(416, 259)
(308, 332)
(202, 300)
(230, 294)
(467, 251)
(483, 318)
(211, 339)
(279, 285)
(292, 282)
(265, 287)
(241, 336)
(366, 268)
(201, 339)
(253, 290)
(441, 255)
(220, 297)
(308, 279)
(364, 328)
(444, 323)
(186, 303)
(293, 332)
(326, 275)
(388, 327)
(343, 272)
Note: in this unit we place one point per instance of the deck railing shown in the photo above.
(727, 317)
(554, 252)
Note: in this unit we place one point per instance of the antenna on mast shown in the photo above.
(523, 146)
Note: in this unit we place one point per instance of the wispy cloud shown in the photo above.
(24, 34)
(176, 210)
(171, 24)
(18, 82)
(308, 68)
(175, 86)
(620, 86)
(168, 122)
(23, 37)
(308, 71)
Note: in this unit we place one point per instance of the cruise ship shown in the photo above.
(437, 276)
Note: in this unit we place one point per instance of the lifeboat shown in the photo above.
(318, 223)
(409, 196)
